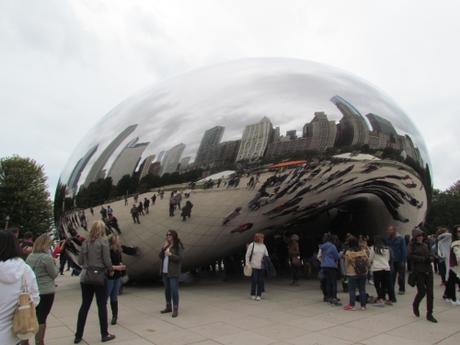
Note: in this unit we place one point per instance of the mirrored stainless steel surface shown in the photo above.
(270, 145)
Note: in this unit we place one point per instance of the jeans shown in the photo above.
(171, 290)
(44, 307)
(257, 282)
(399, 269)
(360, 283)
(424, 287)
(330, 275)
(113, 288)
(87, 294)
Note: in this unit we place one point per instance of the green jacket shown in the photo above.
(174, 262)
(45, 271)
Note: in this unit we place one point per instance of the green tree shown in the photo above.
(444, 210)
(24, 197)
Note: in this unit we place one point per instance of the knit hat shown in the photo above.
(417, 232)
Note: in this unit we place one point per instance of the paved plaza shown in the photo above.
(214, 312)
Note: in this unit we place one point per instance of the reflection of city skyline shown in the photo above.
(258, 141)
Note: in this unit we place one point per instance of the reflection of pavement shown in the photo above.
(295, 199)
(213, 312)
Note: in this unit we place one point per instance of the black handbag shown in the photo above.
(95, 276)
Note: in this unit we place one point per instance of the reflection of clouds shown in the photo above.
(235, 95)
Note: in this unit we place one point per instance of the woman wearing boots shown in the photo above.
(114, 281)
(421, 258)
(171, 259)
(45, 271)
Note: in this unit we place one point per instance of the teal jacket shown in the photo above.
(45, 271)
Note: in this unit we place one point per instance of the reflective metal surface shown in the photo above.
(303, 148)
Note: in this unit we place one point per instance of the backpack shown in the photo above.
(453, 258)
(25, 323)
(360, 265)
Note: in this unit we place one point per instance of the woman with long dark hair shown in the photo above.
(114, 281)
(379, 258)
(421, 259)
(171, 259)
(46, 271)
(356, 263)
(14, 272)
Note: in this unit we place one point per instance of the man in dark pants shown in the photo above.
(421, 259)
(399, 254)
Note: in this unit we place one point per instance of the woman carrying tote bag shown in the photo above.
(254, 257)
(95, 260)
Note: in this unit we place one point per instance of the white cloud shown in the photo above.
(64, 64)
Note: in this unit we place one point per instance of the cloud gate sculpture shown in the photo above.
(276, 146)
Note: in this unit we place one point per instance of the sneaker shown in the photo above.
(363, 308)
(253, 296)
(335, 302)
(388, 302)
(258, 298)
(447, 300)
(431, 318)
(107, 337)
(401, 292)
(349, 307)
(457, 302)
(379, 303)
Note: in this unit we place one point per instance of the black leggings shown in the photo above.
(87, 293)
(44, 307)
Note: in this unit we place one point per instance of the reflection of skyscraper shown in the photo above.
(184, 163)
(172, 158)
(127, 160)
(255, 140)
(352, 128)
(225, 153)
(210, 139)
(292, 134)
(320, 132)
(96, 170)
(146, 165)
(79, 167)
(383, 133)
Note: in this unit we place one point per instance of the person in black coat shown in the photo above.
(421, 260)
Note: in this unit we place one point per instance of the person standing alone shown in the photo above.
(171, 260)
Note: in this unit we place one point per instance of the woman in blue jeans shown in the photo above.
(254, 256)
(114, 280)
(171, 260)
(356, 264)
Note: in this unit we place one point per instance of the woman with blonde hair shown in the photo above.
(95, 261)
(46, 271)
(254, 256)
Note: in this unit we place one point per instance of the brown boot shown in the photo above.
(175, 312)
(167, 309)
(40, 336)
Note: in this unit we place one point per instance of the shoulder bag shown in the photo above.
(25, 323)
(248, 268)
(94, 275)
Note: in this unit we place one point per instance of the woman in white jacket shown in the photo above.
(12, 271)
(254, 256)
(379, 258)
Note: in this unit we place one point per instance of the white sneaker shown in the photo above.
(447, 300)
(253, 297)
(457, 302)
(258, 298)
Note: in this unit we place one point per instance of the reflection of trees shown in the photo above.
(444, 208)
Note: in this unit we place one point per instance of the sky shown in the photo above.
(65, 64)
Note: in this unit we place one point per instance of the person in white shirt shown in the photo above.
(254, 256)
(13, 271)
(379, 258)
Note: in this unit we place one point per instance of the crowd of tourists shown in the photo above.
(382, 261)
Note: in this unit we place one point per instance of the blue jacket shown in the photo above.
(329, 255)
(398, 248)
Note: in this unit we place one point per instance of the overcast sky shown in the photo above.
(65, 64)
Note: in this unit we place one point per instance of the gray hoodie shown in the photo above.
(12, 273)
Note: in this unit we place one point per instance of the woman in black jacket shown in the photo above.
(421, 259)
(171, 259)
